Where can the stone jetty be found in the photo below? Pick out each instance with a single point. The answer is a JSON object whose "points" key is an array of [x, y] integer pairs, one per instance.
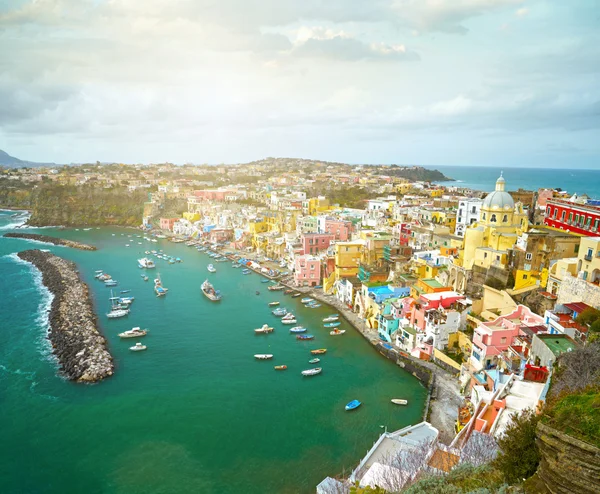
{"points": [[76, 342], [51, 240]]}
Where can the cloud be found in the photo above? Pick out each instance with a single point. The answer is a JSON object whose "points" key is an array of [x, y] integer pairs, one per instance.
{"points": [[350, 49], [522, 12]]}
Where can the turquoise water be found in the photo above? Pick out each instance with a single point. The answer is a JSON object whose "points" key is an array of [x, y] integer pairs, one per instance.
{"points": [[195, 412], [484, 178]]}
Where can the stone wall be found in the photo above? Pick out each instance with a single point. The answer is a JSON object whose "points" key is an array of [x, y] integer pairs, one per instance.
{"points": [[577, 290], [568, 465]]}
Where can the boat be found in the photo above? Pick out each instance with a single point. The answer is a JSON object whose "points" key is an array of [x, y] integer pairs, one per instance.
{"points": [[312, 372], [160, 290], [264, 280], [133, 333], [246, 271], [280, 367], [332, 324], [146, 263], [353, 405], [337, 332], [287, 292], [110, 283], [296, 295], [264, 330], [398, 401], [319, 351], [125, 291], [273, 304], [306, 300], [305, 337], [274, 288], [280, 311], [116, 310], [211, 268], [145, 278], [314, 360], [298, 329], [331, 318], [291, 320], [289, 315], [257, 292], [126, 300], [313, 306], [138, 347], [209, 291], [263, 356]]}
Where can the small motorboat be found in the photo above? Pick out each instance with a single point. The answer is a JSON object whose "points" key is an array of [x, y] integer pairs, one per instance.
{"points": [[117, 312], [275, 288], [289, 321], [264, 280], [138, 347], [296, 295], [110, 283], [145, 278], [264, 330], [273, 304], [287, 292], [246, 271], [332, 324], [280, 311], [337, 332], [313, 306], [312, 372], [319, 351], [298, 329], [398, 401], [125, 291], [353, 405], [257, 292], [332, 318], [289, 315], [263, 356], [306, 300], [133, 333], [280, 367], [211, 268], [305, 337], [314, 360]]}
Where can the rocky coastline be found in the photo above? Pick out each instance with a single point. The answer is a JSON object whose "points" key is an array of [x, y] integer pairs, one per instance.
{"points": [[51, 240], [78, 345]]}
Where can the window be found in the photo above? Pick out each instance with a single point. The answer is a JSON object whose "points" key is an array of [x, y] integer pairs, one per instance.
{"points": [[503, 340], [562, 218], [555, 213], [524, 276], [528, 256], [576, 218], [484, 216], [570, 217], [484, 255], [596, 224], [497, 258], [505, 219], [581, 220], [493, 218]]}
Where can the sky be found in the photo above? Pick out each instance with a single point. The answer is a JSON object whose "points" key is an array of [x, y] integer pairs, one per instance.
{"points": [[426, 82]]}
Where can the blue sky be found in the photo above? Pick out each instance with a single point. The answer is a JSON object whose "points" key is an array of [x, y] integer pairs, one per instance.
{"points": [[432, 82]]}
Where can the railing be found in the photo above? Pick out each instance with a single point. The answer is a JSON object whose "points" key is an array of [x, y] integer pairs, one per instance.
{"points": [[588, 257]]}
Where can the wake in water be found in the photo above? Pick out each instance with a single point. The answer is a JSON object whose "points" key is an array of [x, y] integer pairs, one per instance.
{"points": [[21, 220]]}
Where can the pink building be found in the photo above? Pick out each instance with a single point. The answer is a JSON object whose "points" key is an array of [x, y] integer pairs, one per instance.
{"points": [[494, 337], [340, 229], [429, 302], [313, 243], [543, 196], [307, 271], [167, 223], [213, 194]]}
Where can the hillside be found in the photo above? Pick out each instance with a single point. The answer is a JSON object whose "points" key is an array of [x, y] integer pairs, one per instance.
{"points": [[12, 162]]}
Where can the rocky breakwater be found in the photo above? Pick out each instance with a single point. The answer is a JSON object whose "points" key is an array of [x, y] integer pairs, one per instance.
{"points": [[76, 342], [51, 240]]}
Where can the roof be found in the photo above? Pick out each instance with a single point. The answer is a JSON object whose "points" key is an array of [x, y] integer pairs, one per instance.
{"points": [[443, 460], [499, 199], [578, 307], [558, 343], [433, 283]]}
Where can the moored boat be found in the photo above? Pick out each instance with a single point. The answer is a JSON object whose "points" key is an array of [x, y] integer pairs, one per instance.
{"points": [[209, 291], [138, 347], [291, 320], [110, 283], [332, 324], [305, 337], [273, 304], [211, 268], [287, 292], [337, 332], [312, 372], [298, 329], [319, 351], [246, 271], [314, 360], [133, 333], [280, 311], [275, 288], [280, 367], [264, 280], [331, 318], [353, 405], [306, 300], [263, 356], [264, 330], [146, 263], [398, 401], [295, 295], [313, 305]]}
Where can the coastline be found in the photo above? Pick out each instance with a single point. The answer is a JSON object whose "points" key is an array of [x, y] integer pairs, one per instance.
{"points": [[50, 240], [76, 342]]}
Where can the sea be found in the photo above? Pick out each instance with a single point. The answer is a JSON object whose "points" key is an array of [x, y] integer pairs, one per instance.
{"points": [[484, 178], [195, 413]]}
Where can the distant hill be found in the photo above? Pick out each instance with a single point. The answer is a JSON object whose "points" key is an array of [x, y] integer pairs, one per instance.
{"points": [[12, 162]]}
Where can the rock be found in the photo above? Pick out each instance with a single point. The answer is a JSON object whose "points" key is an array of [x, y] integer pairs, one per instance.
{"points": [[51, 240]]}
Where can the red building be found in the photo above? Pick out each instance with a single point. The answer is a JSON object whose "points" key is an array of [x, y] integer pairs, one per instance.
{"points": [[576, 218], [340, 229], [313, 243], [167, 223]]}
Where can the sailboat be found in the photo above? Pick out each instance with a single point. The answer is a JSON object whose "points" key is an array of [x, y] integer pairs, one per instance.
{"points": [[160, 290], [115, 310]]}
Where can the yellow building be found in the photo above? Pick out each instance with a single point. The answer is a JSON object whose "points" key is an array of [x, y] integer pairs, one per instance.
{"points": [[588, 263], [347, 258], [257, 225], [487, 241], [191, 217], [558, 271]]}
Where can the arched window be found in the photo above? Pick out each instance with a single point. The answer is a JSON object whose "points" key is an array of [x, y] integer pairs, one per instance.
{"points": [[505, 219], [484, 216], [493, 218]]}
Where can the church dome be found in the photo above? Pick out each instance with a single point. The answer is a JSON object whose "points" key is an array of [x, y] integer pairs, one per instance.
{"points": [[499, 199]]}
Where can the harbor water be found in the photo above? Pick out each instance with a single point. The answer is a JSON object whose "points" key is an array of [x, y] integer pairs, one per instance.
{"points": [[195, 413]]}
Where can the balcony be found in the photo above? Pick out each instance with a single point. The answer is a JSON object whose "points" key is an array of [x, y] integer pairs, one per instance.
{"points": [[588, 257]]}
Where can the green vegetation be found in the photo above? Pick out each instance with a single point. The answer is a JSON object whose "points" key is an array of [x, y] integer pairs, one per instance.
{"points": [[591, 318], [519, 455], [348, 197]]}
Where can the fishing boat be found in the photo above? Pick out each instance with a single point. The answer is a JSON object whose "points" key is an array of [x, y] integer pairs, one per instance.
{"points": [[104, 277], [398, 401], [353, 405], [296, 295], [264, 330], [291, 320], [138, 347], [298, 329], [280, 367], [319, 351], [305, 337], [306, 300], [209, 291], [332, 324], [146, 263], [211, 268], [312, 372], [314, 360], [115, 310], [263, 356], [133, 333], [275, 288], [337, 332], [331, 318], [280, 311], [273, 304]]}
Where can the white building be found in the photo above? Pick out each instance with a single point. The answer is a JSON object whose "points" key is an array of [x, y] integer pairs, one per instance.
{"points": [[468, 213]]}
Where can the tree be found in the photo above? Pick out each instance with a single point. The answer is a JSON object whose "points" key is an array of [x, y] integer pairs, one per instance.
{"points": [[589, 316], [519, 455]]}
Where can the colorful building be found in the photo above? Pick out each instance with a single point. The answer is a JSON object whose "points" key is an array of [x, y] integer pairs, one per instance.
{"points": [[313, 243], [167, 223], [571, 217], [347, 259], [307, 271]]}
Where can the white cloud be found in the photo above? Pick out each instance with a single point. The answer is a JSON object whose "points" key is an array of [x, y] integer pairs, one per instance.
{"points": [[522, 12]]}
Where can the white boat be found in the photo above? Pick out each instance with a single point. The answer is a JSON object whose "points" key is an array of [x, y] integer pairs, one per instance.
{"points": [[115, 310], [312, 372], [133, 333], [263, 356], [314, 360], [146, 263], [298, 329], [211, 268], [289, 321], [331, 318], [264, 330], [209, 291], [397, 401], [337, 332], [307, 300], [138, 347]]}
